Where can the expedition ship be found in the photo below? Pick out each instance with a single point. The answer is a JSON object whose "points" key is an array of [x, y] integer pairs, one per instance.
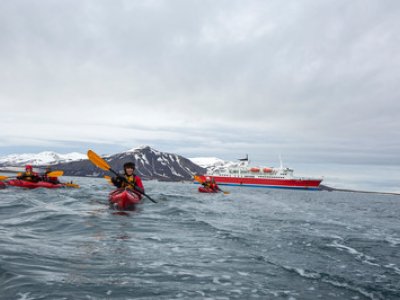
{"points": [[244, 175]]}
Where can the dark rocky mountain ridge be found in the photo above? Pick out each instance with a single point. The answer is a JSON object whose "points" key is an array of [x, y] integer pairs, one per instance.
{"points": [[150, 164]]}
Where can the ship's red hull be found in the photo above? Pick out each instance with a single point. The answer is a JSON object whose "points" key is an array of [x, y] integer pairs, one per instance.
{"points": [[291, 183]]}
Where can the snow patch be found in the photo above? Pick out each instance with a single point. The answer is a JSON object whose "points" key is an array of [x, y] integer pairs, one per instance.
{"points": [[141, 147], [38, 159]]}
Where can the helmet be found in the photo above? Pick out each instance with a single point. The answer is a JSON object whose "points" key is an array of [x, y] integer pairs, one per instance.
{"points": [[28, 167], [130, 165], [208, 178]]}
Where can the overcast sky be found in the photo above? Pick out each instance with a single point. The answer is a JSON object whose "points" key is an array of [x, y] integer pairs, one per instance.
{"points": [[314, 81]]}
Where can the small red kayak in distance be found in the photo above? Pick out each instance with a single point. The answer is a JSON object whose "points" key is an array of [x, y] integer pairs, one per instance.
{"points": [[203, 189], [33, 185], [123, 199]]}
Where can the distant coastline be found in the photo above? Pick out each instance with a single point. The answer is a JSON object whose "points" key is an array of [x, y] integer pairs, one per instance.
{"points": [[331, 189], [322, 187]]}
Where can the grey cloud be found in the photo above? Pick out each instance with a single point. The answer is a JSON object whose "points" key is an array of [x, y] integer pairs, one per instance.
{"points": [[300, 75]]}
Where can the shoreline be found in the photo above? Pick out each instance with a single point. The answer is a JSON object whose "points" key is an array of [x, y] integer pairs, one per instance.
{"points": [[322, 187], [331, 189]]}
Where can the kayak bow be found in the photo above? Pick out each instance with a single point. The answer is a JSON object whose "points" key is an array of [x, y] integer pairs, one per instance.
{"points": [[123, 199]]}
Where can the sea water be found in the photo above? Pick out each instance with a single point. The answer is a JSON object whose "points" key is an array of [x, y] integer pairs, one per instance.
{"points": [[250, 244]]}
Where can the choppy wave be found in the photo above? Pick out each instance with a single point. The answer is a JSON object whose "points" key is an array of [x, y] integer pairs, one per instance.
{"points": [[252, 243]]}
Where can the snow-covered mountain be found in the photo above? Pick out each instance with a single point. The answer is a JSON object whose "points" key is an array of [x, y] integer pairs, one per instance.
{"points": [[207, 162], [39, 159], [213, 163], [150, 164]]}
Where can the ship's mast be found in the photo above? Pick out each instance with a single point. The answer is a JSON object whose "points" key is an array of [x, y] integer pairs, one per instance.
{"points": [[244, 162]]}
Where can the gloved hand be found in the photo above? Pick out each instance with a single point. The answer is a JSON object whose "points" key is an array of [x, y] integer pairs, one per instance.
{"points": [[117, 181]]}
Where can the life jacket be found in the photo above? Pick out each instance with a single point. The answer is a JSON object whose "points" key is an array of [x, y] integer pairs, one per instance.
{"points": [[213, 186], [29, 176], [135, 181], [131, 179]]}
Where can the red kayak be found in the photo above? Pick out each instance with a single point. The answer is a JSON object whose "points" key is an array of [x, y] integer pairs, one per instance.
{"points": [[123, 199], [33, 185], [203, 189], [2, 185]]}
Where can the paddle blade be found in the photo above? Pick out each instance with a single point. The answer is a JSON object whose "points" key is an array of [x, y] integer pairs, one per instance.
{"points": [[3, 178], [72, 185], [55, 174], [198, 179], [98, 161]]}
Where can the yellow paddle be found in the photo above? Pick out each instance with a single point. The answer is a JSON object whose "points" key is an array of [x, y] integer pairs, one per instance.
{"points": [[51, 174], [102, 164], [199, 180], [55, 174], [71, 185]]}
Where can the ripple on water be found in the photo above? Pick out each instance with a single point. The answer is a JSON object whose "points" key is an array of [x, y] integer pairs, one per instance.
{"points": [[248, 244]]}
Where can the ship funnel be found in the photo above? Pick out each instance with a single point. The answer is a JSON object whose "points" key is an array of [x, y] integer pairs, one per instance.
{"points": [[244, 161]]}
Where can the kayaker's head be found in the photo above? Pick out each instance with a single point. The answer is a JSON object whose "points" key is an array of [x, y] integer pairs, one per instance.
{"points": [[129, 168], [208, 179], [28, 168]]}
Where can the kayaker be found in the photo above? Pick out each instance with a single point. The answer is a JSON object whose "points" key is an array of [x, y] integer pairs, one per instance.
{"points": [[211, 184], [131, 177], [29, 175], [214, 185], [53, 180]]}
